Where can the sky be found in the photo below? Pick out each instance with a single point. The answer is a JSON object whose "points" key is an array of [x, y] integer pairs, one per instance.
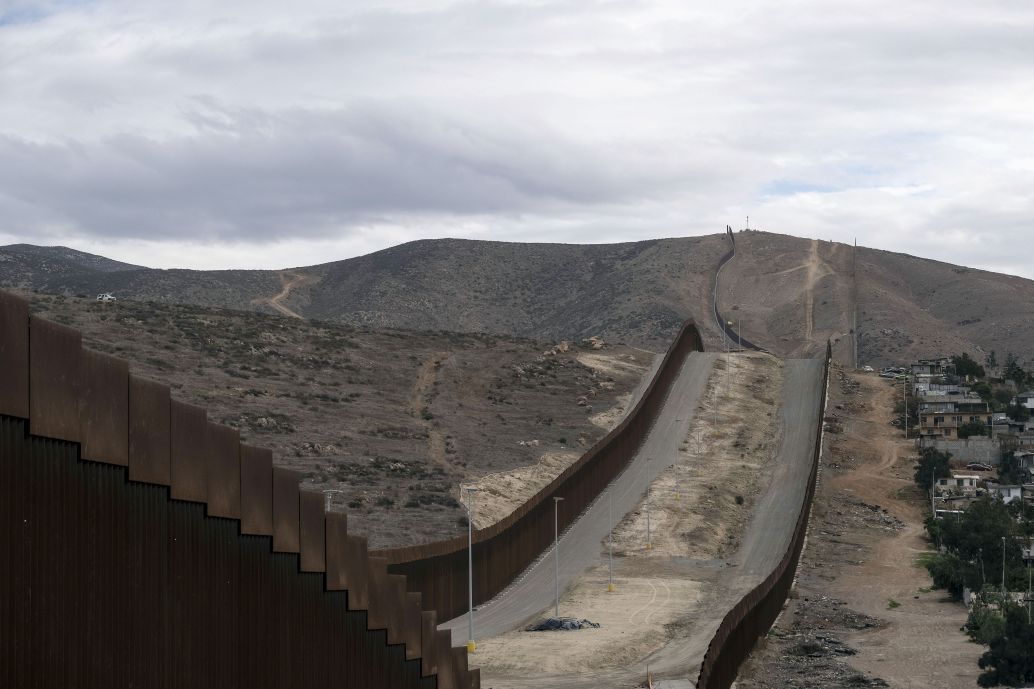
{"points": [[267, 134]]}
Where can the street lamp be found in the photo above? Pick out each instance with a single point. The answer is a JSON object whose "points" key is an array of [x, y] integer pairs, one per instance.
{"points": [[610, 542], [714, 403], [649, 542], [677, 493], [556, 550], [728, 366], [471, 645]]}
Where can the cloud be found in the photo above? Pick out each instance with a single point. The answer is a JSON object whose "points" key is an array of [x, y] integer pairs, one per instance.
{"points": [[278, 133]]}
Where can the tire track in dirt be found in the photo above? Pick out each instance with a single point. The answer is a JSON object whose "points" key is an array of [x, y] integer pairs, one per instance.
{"points": [[419, 405]]}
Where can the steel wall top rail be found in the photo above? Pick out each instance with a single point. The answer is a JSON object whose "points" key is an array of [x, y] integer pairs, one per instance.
{"points": [[104, 409], [55, 380], [71, 394], [150, 432], [14, 355]]}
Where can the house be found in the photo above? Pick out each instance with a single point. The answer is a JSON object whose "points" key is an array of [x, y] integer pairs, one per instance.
{"points": [[1025, 399], [958, 484], [933, 367], [1006, 493], [941, 417]]}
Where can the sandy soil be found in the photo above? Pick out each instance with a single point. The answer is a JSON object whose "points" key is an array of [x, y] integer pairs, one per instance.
{"points": [[658, 588], [499, 494], [612, 417], [639, 617]]}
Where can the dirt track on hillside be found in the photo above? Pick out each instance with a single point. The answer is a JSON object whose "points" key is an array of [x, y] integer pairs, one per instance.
{"points": [[290, 280]]}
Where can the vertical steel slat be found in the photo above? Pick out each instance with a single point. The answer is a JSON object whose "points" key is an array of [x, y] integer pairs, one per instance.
{"points": [[14, 355]]}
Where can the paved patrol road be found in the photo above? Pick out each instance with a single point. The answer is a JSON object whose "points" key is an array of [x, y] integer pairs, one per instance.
{"points": [[535, 590], [676, 665]]}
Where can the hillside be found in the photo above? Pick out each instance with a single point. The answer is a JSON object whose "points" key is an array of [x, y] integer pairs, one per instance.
{"points": [[788, 294], [395, 419]]}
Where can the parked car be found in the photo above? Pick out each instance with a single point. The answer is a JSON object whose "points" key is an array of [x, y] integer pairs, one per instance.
{"points": [[868, 369], [106, 296]]}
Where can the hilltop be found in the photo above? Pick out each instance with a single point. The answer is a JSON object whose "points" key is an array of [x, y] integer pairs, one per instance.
{"points": [[786, 293]]}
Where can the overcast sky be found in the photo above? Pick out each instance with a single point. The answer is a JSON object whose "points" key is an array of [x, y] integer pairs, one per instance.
{"points": [[271, 134]]}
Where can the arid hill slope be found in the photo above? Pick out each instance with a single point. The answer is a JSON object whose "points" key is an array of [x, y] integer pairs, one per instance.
{"points": [[787, 294], [395, 419]]}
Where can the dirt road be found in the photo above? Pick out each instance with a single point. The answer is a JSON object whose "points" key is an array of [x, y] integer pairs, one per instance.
{"points": [[534, 590], [289, 280], [921, 646]]}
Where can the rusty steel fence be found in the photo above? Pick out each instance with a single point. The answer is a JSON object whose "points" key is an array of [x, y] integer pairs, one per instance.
{"points": [[142, 545], [755, 614], [723, 324], [438, 571]]}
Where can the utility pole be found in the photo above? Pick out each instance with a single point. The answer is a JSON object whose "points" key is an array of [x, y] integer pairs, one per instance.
{"points": [[1003, 565], [983, 578], [556, 549], [854, 279], [904, 399], [933, 490], [610, 542], [471, 645], [1029, 558]]}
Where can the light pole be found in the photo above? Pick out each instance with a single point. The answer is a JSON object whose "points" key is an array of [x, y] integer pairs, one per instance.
{"points": [[556, 549], [677, 493], [610, 542], [714, 395], [471, 645], [649, 543], [728, 366]]}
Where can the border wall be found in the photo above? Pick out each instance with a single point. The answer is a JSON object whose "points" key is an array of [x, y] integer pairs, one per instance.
{"points": [[755, 614], [145, 546], [438, 571], [723, 324]]}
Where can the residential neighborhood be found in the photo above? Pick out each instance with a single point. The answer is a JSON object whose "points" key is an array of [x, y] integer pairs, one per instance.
{"points": [[974, 440]]}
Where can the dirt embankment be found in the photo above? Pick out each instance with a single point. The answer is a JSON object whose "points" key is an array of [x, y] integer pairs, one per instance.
{"points": [[720, 466], [660, 589], [500, 493], [863, 613]]}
